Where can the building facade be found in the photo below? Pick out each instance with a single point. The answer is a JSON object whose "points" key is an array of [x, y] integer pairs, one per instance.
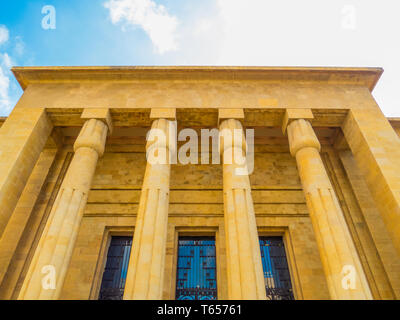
{"points": [[84, 215]]}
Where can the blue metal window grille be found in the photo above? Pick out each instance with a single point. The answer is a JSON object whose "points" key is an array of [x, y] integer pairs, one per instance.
{"points": [[196, 271], [114, 276], [276, 271]]}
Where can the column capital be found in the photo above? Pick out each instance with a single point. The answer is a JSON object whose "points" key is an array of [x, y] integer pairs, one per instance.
{"points": [[296, 114], [163, 135], [102, 114], [227, 138], [301, 135], [92, 135]]}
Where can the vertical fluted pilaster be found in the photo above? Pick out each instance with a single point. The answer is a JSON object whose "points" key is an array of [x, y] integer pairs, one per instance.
{"points": [[146, 265], [53, 253], [345, 276], [244, 267]]}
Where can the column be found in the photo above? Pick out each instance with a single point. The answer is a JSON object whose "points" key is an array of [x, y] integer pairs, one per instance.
{"points": [[376, 149], [244, 266], [345, 276], [145, 275], [46, 274], [22, 138]]}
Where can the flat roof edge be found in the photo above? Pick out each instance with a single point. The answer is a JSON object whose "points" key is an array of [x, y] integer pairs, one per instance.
{"points": [[350, 75]]}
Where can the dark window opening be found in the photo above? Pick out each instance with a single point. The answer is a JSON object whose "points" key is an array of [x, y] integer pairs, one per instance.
{"points": [[276, 271], [196, 270], [114, 276]]}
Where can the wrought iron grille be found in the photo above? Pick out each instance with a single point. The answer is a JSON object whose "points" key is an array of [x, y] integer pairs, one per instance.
{"points": [[196, 270], [276, 270], [114, 276]]}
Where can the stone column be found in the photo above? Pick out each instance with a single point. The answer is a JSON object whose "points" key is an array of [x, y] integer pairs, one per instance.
{"points": [[145, 275], [22, 138], [244, 266], [345, 276], [54, 251]]}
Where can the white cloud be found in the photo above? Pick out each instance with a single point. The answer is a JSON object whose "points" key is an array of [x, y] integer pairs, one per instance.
{"points": [[8, 89], [4, 35], [297, 33], [153, 18], [5, 102], [6, 60], [5, 65]]}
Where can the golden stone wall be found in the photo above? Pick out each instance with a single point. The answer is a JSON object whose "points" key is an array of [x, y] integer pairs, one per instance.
{"points": [[196, 203]]}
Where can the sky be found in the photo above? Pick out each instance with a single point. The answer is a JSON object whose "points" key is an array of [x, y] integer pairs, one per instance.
{"points": [[344, 33]]}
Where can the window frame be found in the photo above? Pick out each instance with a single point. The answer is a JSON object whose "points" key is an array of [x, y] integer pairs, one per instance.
{"points": [[289, 252], [109, 232], [196, 232]]}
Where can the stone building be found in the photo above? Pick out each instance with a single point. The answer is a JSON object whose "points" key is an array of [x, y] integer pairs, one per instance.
{"points": [[83, 215]]}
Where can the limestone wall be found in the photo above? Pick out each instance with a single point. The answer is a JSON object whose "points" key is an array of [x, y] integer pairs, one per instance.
{"points": [[196, 207]]}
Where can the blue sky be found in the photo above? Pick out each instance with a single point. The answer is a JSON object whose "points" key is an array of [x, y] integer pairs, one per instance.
{"points": [[207, 32]]}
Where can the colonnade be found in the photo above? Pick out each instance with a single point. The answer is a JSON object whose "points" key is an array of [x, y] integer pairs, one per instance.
{"points": [[244, 268]]}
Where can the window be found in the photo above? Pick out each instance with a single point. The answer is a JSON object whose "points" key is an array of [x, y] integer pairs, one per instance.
{"points": [[196, 270], [114, 276], [276, 271]]}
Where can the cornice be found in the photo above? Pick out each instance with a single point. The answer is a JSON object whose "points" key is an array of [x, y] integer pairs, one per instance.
{"points": [[367, 77]]}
